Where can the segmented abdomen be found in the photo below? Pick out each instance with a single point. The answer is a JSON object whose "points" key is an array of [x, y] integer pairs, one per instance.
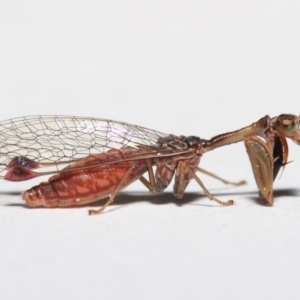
{"points": [[87, 185]]}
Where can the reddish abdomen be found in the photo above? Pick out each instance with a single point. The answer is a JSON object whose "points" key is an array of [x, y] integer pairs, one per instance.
{"points": [[87, 185]]}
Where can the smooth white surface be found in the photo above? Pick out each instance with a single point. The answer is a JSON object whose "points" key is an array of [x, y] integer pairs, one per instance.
{"points": [[183, 67]]}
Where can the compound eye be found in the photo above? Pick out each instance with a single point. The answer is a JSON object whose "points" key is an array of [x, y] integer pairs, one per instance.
{"points": [[286, 125]]}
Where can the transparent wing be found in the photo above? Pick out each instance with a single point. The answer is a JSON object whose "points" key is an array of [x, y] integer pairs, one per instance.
{"points": [[61, 140]]}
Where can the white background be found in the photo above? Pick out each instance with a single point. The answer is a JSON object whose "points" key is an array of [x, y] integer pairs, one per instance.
{"points": [[182, 67]]}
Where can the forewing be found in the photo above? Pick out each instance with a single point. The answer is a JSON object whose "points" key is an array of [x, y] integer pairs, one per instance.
{"points": [[57, 141]]}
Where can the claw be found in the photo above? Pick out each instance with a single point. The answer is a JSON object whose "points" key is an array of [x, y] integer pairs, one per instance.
{"points": [[262, 165]]}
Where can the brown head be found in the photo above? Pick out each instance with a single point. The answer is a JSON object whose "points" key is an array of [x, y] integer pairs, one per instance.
{"points": [[287, 125]]}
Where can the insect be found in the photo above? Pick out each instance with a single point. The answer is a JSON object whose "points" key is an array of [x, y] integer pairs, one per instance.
{"points": [[94, 158]]}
